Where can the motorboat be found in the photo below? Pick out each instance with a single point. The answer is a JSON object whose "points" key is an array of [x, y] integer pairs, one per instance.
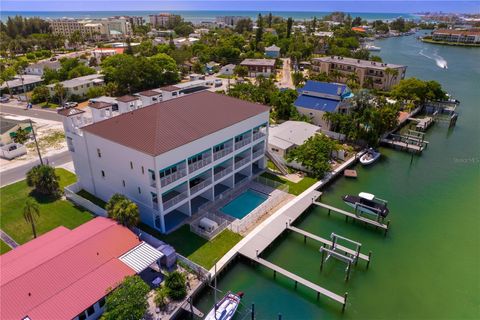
{"points": [[367, 203], [370, 157], [225, 309], [371, 47]]}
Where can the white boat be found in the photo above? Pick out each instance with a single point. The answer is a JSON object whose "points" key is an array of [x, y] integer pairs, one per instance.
{"points": [[371, 47], [370, 157], [225, 309], [367, 203]]}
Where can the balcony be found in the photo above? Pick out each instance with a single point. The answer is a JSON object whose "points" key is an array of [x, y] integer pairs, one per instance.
{"points": [[155, 205], [243, 142], [201, 185], [165, 181], [257, 153], [199, 164], [241, 162], [222, 153], [258, 135], [222, 172], [174, 200]]}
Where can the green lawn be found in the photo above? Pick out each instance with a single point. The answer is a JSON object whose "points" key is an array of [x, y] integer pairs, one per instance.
{"points": [[87, 195], [293, 188], [4, 248], [196, 248], [48, 105], [53, 213]]}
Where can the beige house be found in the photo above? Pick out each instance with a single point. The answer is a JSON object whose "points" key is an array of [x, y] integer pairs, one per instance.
{"points": [[256, 67], [378, 75], [9, 127], [78, 86], [289, 135]]}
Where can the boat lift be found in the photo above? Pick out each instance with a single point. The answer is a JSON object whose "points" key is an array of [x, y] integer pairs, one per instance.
{"points": [[377, 214], [339, 253]]}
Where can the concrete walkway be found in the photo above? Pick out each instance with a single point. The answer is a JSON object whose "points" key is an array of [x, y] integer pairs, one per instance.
{"points": [[8, 240]]}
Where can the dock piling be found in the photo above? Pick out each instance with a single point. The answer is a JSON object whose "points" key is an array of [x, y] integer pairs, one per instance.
{"points": [[345, 296], [369, 258], [253, 311]]}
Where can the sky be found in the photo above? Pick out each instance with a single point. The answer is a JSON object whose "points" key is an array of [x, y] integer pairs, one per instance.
{"points": [[468, 6]]}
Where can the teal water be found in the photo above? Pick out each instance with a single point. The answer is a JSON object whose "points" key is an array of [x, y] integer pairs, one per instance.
{"points": [[428, 266], [243, 204]]}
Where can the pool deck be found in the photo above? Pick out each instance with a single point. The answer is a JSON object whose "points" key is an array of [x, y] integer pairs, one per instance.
{"points": [[265, 233]]}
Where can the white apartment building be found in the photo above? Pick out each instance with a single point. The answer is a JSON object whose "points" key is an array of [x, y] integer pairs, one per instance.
{"points": [[169, 157], [107, 28]]}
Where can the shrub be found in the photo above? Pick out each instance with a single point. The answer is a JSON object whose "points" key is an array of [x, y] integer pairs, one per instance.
{"points": [[175, 284], [161, 295], [44, 180], [123, 210]]}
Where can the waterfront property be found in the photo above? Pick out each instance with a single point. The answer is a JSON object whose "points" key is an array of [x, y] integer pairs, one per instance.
{"points": [[170, 157], [66, 274], [316, 98], [289, 135], [471, 36], [244, 204], [78, 86], [106, 28], [373, 74], [257, 67]]}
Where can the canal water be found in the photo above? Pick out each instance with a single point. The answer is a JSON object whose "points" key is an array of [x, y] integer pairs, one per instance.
{"points": [[428, 266]]}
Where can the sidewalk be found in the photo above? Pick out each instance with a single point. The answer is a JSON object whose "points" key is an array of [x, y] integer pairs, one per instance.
{"points": [[8, 240]]}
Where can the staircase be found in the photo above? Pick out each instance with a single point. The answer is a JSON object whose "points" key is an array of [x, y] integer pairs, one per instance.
{"points": [[277, 162]]}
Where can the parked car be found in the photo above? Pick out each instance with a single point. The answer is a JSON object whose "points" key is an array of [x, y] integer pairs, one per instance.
{"points": [[70, 105], [4, 99], [218, 82], [53, 59]]}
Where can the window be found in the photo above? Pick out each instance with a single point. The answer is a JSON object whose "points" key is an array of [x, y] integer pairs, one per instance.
{"points": [[143, 170], [70, 144], [238, 138], [219, 148], [101, 303], [103, 174], [82, 316], [90, 311], [123, 182], [196, 158], [131, 165], [99, 153], [139, 190]]}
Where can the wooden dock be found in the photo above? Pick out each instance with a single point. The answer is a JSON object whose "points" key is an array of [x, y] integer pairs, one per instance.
{"points": [[329, 243], [297, 279], [422, 123], [354, 216]]}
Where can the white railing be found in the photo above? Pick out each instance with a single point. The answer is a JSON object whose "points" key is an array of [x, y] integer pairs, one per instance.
{"points": [[155, 205], [242, 162], [199, 164], [165, 181], [223, 173], [153, 183], [257, 153], [70, 194], [242, 143], [178, 198], [200, 186], [222, 153], [258, 135]]}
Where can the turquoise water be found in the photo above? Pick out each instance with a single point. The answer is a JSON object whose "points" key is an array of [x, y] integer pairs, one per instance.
{"points": [[244, 204], [428, 265]]}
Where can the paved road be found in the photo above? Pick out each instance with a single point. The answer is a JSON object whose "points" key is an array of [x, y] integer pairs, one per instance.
{"points": [[34, 113], [286, 81], [8, 240], [18, 173]]}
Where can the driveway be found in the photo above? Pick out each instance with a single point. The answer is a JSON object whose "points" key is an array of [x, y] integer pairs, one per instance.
{"points": [[286, 81]]}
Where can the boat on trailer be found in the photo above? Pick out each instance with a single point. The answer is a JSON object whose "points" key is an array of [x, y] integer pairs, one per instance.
{"points": [[367, 203], [370, 157], [225, 309]]}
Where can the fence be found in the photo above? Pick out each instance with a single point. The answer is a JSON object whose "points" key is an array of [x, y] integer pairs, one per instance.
{"points": [[209, 235], [200, 271], [71, 194]]}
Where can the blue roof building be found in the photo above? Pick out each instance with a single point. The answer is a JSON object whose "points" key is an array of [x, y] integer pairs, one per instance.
{"points": [[316, 98], [272, 52]]}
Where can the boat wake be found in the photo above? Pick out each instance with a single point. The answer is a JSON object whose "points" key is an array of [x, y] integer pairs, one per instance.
{"points": [[439, 60]]}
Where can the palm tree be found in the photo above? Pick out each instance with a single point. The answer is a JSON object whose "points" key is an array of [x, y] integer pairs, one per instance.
{"points": [[391, 74], [335, 74], [30, 212], [352, 79]]}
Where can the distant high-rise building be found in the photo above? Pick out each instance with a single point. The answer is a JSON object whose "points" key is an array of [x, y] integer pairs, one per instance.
{"points": [[107, 28], [229, 20], [162, 20]]}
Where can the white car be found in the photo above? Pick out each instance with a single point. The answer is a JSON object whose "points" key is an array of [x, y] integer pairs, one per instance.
{"points": [[218, 82], [4, 99]]}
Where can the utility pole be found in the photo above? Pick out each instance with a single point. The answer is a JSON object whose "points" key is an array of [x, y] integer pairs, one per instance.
{"points": [[36, 142]]}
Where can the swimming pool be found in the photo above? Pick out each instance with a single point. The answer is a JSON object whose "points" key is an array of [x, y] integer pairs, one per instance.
{"points": [[244, 204]]}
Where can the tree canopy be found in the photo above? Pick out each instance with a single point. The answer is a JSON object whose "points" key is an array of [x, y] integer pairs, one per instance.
{"points": [[44, 180], [418, 91], [128, 301], [123, 210]]}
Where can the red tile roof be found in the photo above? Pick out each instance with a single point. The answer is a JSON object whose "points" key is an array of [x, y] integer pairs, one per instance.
{"points": [[63, 272], [167, 125], [99, 105], [127, 98], [149, 93], [68, 112], [170, 88]]}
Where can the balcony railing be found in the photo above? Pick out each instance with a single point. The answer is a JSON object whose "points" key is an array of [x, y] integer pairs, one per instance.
{"points": [[165, 181], [153, 183], [258, 135], [223, 173], [178, 198], [199, 164], [155, 205], [242, 162], [222, 153], [242, 143], [257, 153], [200, 185]]}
